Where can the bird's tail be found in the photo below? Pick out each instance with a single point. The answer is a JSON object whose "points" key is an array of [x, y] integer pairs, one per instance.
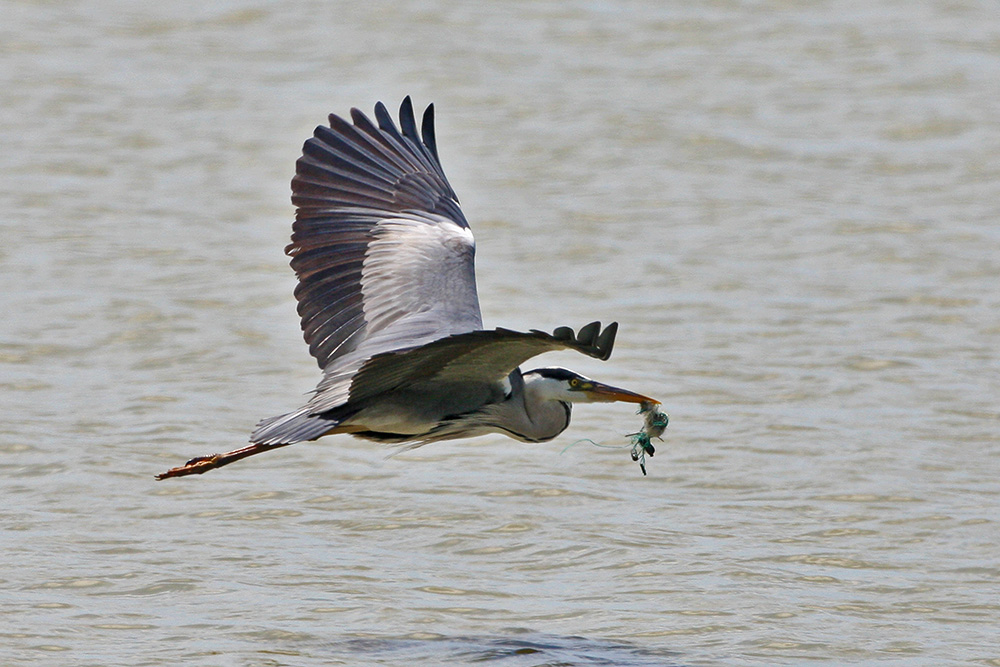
{"points": [[292, 427]]}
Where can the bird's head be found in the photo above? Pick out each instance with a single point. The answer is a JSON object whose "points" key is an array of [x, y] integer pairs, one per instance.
{"points": [[561, 384]]}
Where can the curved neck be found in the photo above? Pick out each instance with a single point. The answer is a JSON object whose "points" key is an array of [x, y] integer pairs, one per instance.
{"points": [[550, 418], [533, 415]]}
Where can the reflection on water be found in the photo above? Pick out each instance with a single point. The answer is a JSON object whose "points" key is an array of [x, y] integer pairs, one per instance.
{"points": [[520, 648], [792, 214]]}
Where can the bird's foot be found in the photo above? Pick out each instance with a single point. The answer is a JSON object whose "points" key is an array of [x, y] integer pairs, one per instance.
{"points": [[195, 466], [200, 464]]}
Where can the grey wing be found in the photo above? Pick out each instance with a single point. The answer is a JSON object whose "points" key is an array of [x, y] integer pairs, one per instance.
{"points": [[473, 362], [383, 253], [475, 357]]}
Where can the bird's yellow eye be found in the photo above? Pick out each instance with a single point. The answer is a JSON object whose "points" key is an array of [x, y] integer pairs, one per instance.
{"points": [[574, 382]]}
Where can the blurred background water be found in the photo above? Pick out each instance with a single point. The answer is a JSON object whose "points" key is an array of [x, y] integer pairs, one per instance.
{"points": [[790, 207]]}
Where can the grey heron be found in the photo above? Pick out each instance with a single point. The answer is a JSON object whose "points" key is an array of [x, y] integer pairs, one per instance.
{"points": [[388, 304]]}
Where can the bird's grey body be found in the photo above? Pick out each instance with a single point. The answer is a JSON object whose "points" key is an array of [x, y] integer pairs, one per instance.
{"points": [[387, 298]]}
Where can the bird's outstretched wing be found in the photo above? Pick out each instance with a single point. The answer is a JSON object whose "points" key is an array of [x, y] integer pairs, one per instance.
{"points": [[474, 356], [383, 253]]}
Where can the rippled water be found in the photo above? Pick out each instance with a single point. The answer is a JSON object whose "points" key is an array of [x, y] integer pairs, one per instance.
{"points": [[792, 210]]}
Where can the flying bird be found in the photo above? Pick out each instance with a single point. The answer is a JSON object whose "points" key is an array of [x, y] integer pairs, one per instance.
{"points": [[388, 304]]}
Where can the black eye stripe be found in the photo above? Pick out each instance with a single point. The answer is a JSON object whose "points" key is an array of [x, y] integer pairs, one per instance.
{"points": [[556, 374]]}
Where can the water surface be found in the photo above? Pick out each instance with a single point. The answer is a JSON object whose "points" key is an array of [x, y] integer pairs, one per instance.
{"points": [[792, 212]]}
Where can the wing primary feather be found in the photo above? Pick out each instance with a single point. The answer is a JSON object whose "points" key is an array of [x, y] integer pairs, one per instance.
{"points": [[369, 132], [427, 133], [408, 124], [385, 121], [407, 121], [389, 131], [322, 175], [359, 139], [392, 135], [562, 333], [588, 334], [606, 341], [342, 136]]}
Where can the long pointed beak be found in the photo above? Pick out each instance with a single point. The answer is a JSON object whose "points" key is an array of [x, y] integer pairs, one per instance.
{"points": [[604, 392]]}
